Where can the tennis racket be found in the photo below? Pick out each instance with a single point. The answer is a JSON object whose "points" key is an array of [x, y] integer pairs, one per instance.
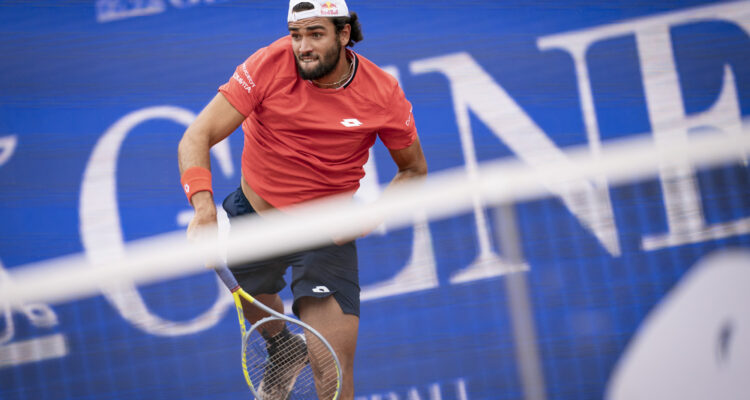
{"points": [[297, 364]]}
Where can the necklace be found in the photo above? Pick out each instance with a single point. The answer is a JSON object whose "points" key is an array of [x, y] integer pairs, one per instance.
{"points": [[336, 84]]}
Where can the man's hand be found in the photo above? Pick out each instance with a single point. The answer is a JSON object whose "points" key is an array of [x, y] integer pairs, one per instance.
{"points": [[411, 166], [203, 223], [203, 226], [341, 240]]}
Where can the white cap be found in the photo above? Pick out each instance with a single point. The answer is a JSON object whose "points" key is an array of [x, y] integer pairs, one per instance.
{"points": [[322, 8]]}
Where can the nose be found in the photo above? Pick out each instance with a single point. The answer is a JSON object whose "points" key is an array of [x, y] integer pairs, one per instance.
{"points": [[305, 45]]}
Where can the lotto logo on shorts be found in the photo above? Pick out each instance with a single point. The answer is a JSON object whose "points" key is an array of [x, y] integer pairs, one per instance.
{"points": [[321, 289]]}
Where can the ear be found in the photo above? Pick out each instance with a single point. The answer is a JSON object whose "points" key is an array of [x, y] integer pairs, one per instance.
{"points": [[345, 34]]}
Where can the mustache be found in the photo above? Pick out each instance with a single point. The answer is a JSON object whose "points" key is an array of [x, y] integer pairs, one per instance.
{"points": [[308, 54]]}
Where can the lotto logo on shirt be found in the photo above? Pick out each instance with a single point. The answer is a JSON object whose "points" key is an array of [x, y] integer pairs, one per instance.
{"points": [[329, 9], [350, 122]]}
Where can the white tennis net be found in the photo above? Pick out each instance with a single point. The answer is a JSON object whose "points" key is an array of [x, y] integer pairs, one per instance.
{"points": [[443, 194]]}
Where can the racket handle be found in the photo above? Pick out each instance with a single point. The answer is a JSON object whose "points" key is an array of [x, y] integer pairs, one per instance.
{"points": [[226, 276]]}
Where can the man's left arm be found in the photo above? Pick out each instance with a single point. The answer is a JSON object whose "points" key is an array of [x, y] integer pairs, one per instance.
{"points": [[411, 163]]}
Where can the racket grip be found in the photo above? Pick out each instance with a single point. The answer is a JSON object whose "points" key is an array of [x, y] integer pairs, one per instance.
{"points": [[226, 276]]}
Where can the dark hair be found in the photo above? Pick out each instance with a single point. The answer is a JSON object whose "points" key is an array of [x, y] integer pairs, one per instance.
{"points": [[339, 22], [356, 34]]}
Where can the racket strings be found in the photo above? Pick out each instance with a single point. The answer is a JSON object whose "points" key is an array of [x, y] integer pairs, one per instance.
{"points": [[286, 367]]}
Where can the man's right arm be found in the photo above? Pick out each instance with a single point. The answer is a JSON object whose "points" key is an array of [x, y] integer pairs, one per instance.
{"points": [[214, 123]]}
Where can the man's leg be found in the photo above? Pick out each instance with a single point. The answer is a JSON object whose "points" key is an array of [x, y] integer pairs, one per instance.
{"points": [[325, 315], [286, 352], [253, 314]]}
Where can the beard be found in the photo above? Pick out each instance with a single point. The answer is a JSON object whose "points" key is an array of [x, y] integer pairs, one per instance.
{"points": [[326, 64]]}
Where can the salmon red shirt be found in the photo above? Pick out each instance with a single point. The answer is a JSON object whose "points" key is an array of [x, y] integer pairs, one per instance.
{"points": [[303, 142]]}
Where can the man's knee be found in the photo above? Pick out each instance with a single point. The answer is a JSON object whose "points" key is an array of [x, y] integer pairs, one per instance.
{"points": [[319, 308], [326, 316]]}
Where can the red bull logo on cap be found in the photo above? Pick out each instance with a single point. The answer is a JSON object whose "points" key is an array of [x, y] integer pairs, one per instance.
{"points": [[329, 8]]}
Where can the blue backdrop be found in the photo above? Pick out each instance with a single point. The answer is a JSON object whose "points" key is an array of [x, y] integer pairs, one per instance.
{"points": [[488, 79]]}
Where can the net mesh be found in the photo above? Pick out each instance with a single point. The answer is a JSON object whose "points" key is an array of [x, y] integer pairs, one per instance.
{"points": [[295, 364]]}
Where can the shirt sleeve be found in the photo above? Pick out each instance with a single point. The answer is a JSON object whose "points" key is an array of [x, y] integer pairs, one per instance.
{"points": [[398, 130], [244, 89]]}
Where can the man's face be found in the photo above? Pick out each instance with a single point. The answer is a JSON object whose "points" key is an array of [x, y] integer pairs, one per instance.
{"points": [[316, 46]]}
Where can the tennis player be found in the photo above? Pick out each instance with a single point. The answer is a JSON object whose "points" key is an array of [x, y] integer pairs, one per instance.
{"points": [[310, 109]]}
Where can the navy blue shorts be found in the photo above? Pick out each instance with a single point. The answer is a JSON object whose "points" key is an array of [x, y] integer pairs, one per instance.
{"points": [[319, 272]]}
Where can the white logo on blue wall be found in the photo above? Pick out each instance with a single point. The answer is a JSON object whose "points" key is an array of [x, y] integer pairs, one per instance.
{"points": [[101, 231], [7, 147]]}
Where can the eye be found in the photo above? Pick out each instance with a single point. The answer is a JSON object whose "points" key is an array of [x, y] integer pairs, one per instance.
{"points": [[317, 35], [295, 36]]}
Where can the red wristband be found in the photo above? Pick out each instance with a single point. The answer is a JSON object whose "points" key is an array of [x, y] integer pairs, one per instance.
{"points": [[196, 179]]}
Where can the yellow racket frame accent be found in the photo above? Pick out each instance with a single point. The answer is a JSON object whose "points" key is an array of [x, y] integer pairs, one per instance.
{"points": [[240, 314]]}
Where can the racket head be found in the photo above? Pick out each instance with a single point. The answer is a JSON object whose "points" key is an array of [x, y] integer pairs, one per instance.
{"points": [[302, 363]]}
